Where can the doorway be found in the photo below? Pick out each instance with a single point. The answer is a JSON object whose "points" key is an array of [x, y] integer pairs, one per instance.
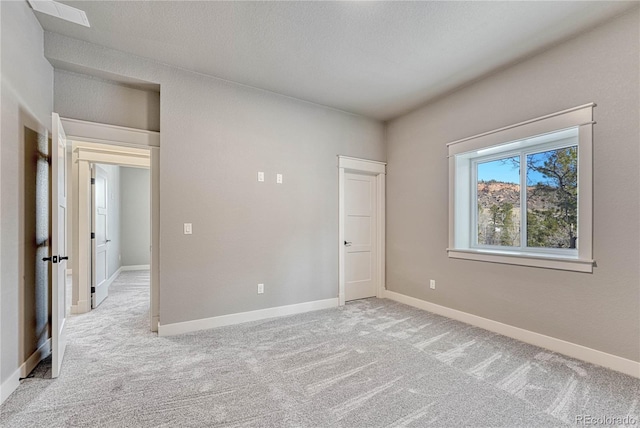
{"points": [[99, 144], [361, 228], [120, 225]]}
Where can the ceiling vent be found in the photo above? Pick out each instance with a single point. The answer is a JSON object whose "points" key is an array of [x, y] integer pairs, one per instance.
{"points": [[61, 11]]}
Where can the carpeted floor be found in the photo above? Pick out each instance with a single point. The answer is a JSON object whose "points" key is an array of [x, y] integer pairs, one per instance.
{"points": [[372, 363]]}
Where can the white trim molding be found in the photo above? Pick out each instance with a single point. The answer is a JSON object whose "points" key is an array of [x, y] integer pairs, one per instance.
{"points": [[573, 350], [8, 386], [379, 170], [531, 260], [575, 116], [572, 126], [135, 267], [110, 134], [242, 317], [114, 155], [83, 306], [40, 354], [362, 165]]}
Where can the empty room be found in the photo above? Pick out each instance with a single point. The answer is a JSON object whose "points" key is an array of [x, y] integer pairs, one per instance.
{"points": [[319, 214]]}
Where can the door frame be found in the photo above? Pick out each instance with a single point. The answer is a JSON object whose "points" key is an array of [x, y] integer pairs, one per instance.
{"points": [[116, 145], [379, 171]]}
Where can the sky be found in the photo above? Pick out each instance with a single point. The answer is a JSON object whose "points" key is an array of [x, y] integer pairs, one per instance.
{"points": [[507, 170]]}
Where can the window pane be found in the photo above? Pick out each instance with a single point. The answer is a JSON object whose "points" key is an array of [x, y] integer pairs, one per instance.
{"points": [[499, 202], [552, 198]]}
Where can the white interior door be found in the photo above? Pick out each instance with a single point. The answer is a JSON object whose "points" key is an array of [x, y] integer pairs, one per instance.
{"points": [[100, 272], [58, 243], [360, 236]]}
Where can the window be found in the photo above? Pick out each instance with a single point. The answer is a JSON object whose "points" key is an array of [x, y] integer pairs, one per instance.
{"points": [[522, 194]]}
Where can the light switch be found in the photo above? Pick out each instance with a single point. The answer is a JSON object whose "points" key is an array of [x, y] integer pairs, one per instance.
{"points": [[187, 229], [279, 178], [260, 176]]}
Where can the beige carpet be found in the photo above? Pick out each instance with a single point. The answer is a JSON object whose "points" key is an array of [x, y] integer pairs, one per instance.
{"points": [[373, 363]]}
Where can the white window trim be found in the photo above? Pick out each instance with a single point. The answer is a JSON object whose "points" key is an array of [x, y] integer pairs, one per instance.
{"points": [[520, 152], [580, 117]]}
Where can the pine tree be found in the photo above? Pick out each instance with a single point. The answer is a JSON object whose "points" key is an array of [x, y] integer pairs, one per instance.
{"points": [[556, 224]]}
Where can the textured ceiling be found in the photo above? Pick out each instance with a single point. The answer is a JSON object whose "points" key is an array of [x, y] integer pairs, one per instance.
{"points": [[377, 59]]}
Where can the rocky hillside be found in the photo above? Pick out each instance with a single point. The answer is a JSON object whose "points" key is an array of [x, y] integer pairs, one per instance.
{"points": [[497, 193], [499, 223]]}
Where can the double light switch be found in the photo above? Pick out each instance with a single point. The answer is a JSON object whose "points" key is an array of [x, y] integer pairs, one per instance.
{"points": [[261, 177]]}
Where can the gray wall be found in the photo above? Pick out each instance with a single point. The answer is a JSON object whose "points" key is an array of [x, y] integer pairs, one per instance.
{"points": [[135, 218], [105, 101], [599, 310], [26, 103], [215, 136]]}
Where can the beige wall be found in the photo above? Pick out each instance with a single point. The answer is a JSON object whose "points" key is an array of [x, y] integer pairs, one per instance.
{"points": [[599, 310], [215, 137], [27, 101]]}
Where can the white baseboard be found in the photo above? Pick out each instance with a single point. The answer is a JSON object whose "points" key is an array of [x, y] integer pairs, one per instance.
{"points": [[136, 267], [40, 354], [593, 356], [223, 320], [155, 322], [8, 386], [103, 291], [82, 307]]}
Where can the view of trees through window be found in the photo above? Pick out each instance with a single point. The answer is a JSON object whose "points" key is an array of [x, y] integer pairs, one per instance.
{"points": [[499, 202], [551, 197]]}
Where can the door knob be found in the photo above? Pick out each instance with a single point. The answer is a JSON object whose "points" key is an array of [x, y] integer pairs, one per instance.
{"points": [[347, 243], [61, 258], [108, 240]]}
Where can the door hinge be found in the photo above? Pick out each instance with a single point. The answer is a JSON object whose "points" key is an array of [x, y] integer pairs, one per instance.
{"points": [[93, 290], [93, 235], [93, 181]]}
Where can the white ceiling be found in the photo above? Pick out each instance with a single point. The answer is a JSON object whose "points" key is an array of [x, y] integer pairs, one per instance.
{"points": [[377, 59]]}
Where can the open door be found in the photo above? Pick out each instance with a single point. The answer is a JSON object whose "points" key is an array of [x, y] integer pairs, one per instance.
{"points": [[58, 244], [99, 235]]}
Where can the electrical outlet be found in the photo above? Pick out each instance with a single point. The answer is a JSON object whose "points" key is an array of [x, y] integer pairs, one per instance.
{"points": [[278, 178], [432, 284], [260, 176], [260, 288], [188, 229]]}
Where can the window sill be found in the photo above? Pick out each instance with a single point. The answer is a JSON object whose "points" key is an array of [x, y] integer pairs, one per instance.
{"points": [[531, 260]]}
